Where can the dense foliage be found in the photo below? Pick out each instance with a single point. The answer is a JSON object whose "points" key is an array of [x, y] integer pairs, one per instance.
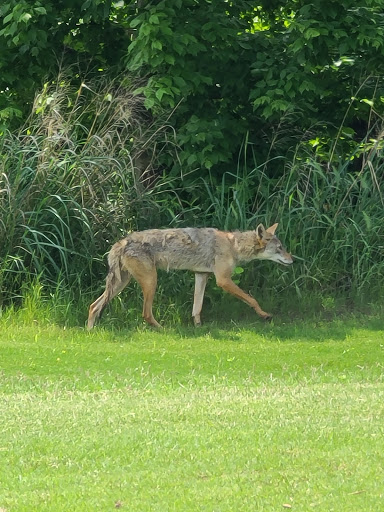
{"points": [[128, 114], [68, 192]]}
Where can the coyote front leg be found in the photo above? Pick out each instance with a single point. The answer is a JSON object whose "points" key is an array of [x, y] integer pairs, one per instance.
{"points": [[223, 279], [200, 282]]}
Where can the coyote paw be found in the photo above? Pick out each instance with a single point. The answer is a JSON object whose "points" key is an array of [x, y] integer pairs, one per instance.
{"points": [[267, 317]]}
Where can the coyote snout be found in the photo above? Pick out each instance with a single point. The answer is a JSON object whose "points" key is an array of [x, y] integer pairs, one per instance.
{"points": [[204, 251]]}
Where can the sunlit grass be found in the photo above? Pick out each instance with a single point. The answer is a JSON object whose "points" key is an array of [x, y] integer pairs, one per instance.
{"points": [[257, 417]]}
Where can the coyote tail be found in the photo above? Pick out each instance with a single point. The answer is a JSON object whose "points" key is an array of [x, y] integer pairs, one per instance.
{"points": [[115, 266], [117, 279]]}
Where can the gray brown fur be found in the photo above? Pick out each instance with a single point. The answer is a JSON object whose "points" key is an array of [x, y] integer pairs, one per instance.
{"points": [[204, 251]]}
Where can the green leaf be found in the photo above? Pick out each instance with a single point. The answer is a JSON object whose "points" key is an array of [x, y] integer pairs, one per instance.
{"points": [[139, 90], [149, 103], [245, 46], [8, 18], [12, 29], [297, 45], [262, 100], [85, 5], [154, 19], [192, 159], [280, 105], [135, 22], [169, 59], [179, 81], [166, 30], [156, 45], [145, 30], [310, 33], [160, 93], [25, 17], [4, 9], [40, 10]]}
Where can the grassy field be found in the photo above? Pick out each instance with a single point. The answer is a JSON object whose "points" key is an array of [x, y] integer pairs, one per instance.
{"points": [[242, 418]]}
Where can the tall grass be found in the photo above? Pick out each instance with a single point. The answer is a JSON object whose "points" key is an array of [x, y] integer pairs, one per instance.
{"points": [[330, 216], [88, 167], [74, 180]]}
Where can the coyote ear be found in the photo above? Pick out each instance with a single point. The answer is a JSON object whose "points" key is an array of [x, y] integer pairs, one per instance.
{"points": [[260, 231], [272, 229]]}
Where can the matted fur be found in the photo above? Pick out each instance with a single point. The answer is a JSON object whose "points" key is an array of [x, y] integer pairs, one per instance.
{"points": [[204, 251]]}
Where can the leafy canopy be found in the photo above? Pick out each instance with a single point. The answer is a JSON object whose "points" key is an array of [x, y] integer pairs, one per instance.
{"points": [[232, 69]]}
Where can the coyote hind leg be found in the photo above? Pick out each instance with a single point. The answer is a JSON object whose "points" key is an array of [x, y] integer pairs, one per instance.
{"points": [[112, 288], [144, 271]]}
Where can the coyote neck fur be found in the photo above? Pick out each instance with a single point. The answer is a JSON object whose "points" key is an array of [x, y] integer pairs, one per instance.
{"points": [[247, 245]]}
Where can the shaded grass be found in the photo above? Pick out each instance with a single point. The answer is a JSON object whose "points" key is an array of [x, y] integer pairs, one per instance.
{"points": [[219, 419]]}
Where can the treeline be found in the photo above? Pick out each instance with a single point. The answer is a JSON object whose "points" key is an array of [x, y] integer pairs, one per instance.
{"points": [[271, 73]]}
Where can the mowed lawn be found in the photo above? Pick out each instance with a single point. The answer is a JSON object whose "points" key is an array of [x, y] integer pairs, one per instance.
{"points": [[239, 418]]}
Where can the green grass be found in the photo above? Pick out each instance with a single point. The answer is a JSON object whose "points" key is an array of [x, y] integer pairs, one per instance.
{"points": [[249, 418]]}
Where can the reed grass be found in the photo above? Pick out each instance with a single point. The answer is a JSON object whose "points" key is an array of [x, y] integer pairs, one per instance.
{"points": [[72, 181], [87, 168]]}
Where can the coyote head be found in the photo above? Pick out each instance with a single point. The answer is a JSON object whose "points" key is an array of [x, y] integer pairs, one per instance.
{"points": [[271, 247]]}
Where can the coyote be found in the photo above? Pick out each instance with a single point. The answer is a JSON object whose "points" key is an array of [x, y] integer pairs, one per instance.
{"points": [[203, 250]]}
